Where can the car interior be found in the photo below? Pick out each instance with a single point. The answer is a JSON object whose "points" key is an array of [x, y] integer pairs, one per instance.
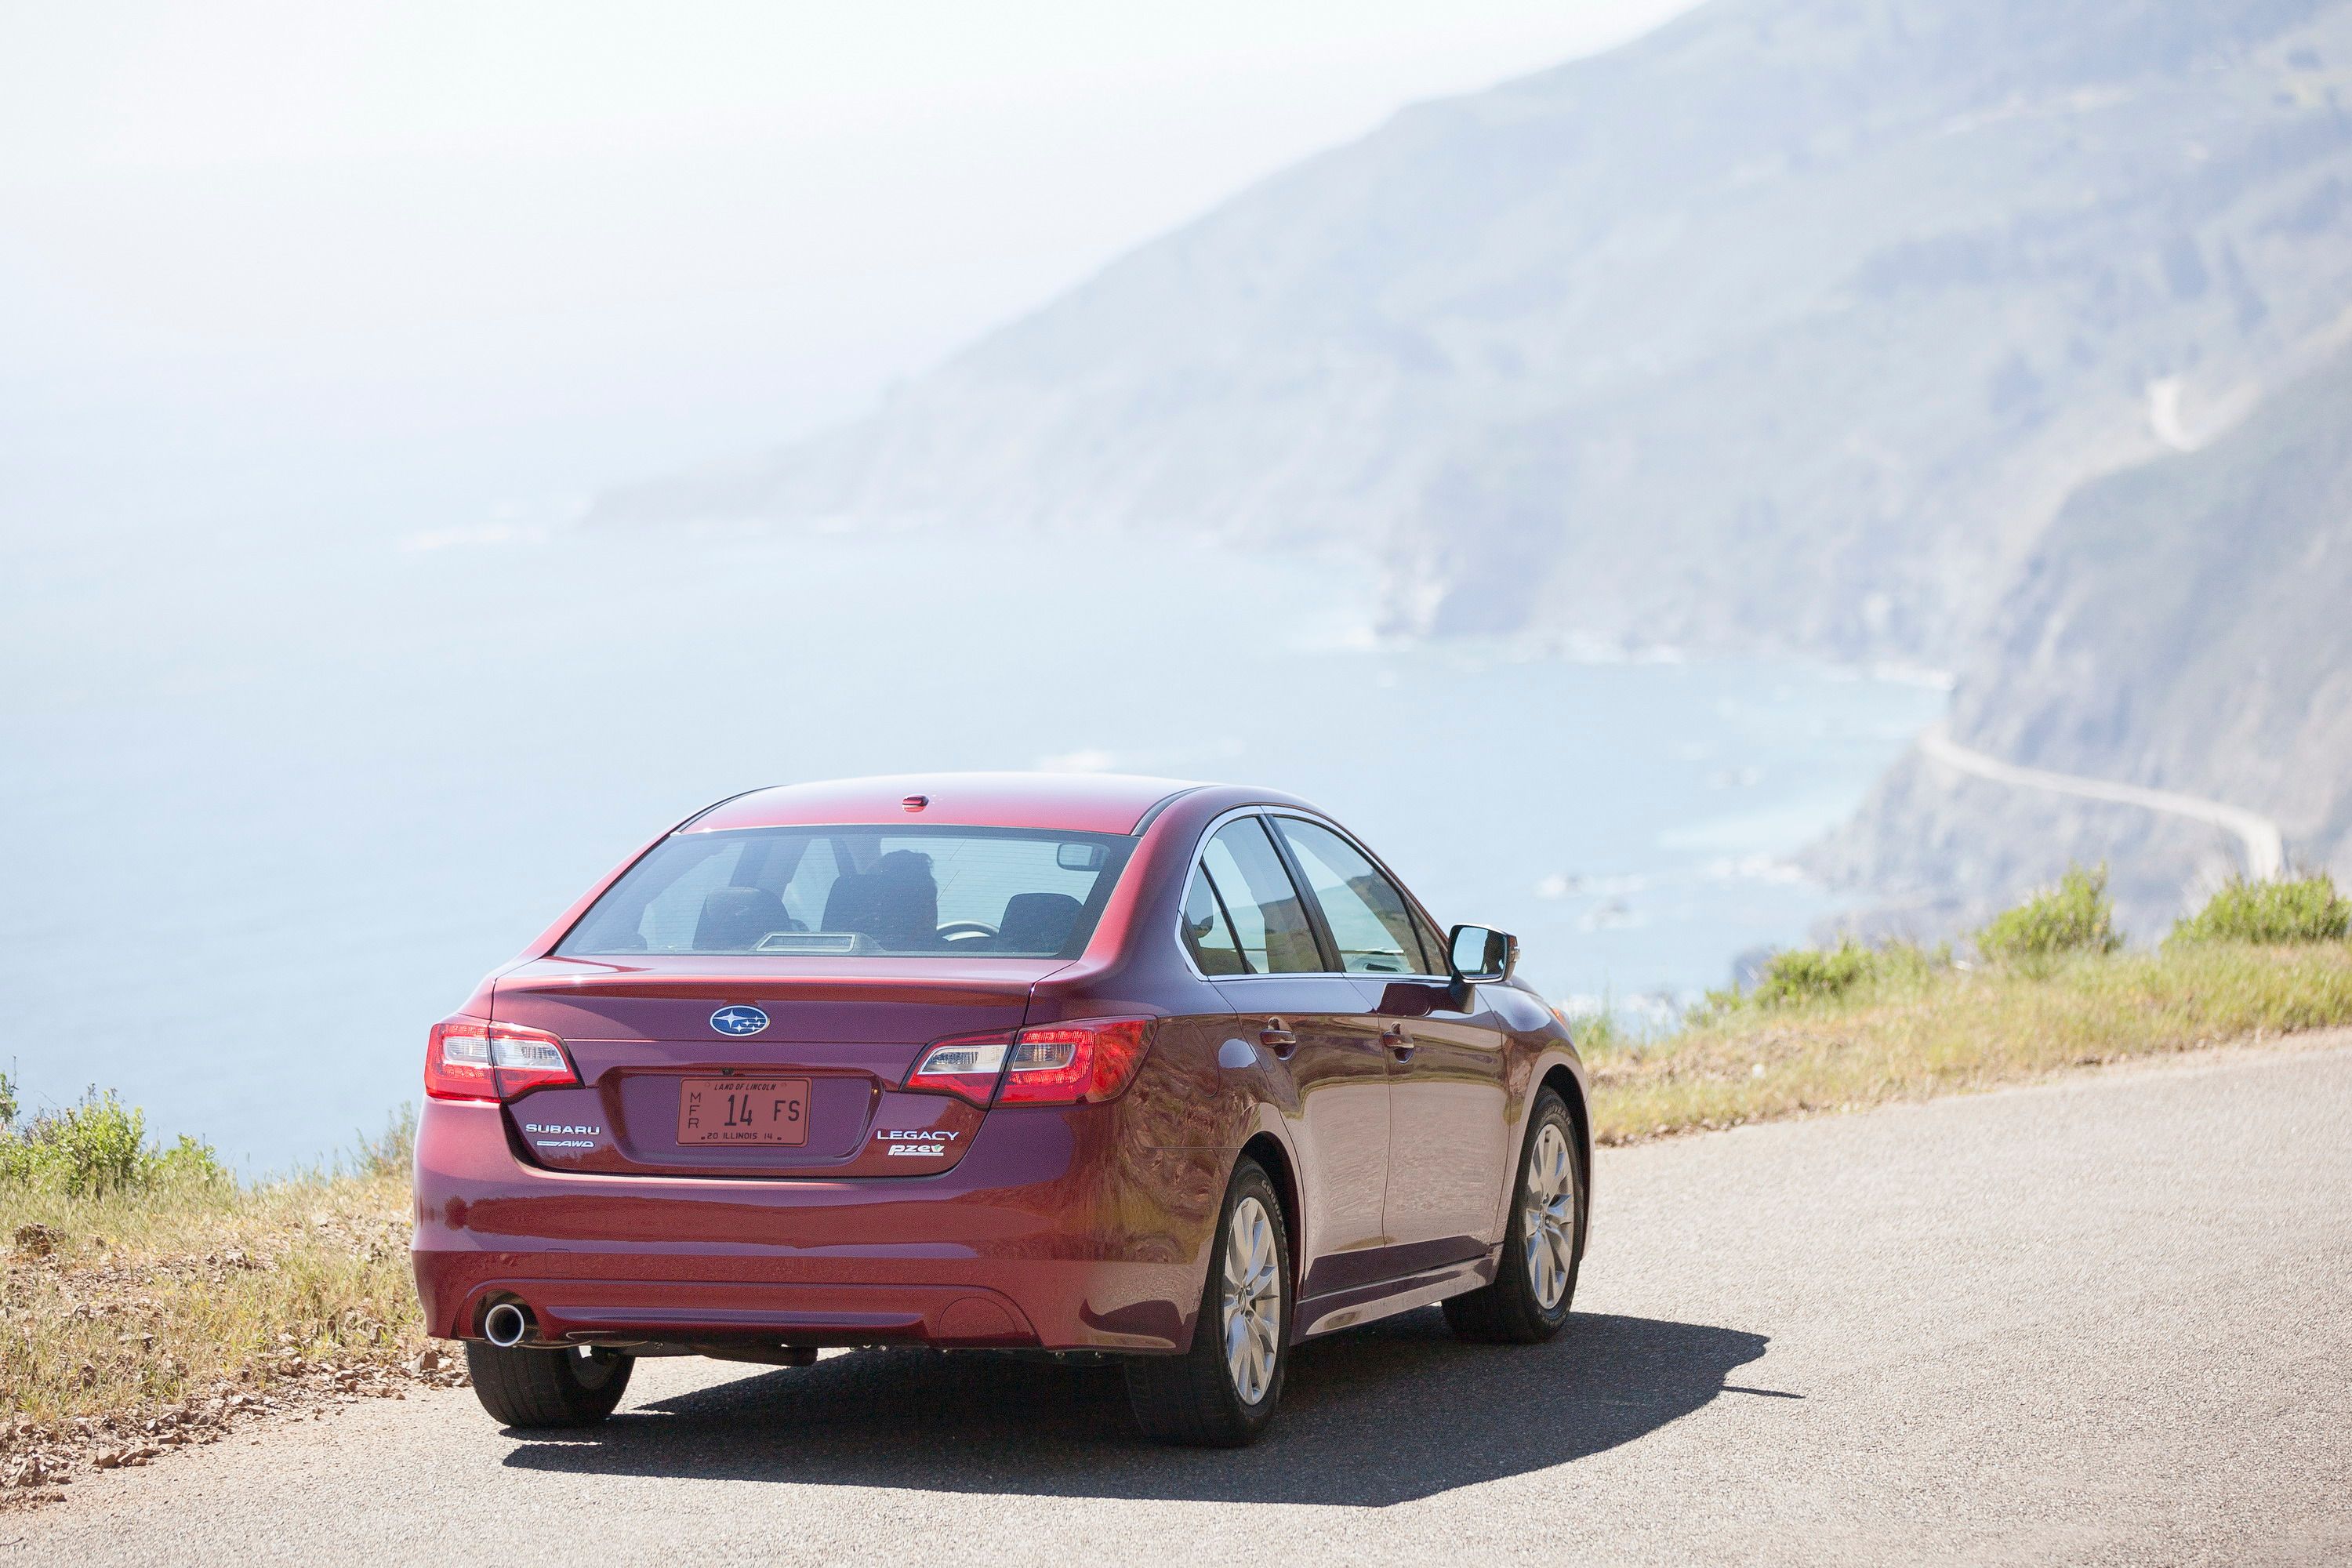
{"points": [[863, 900]]}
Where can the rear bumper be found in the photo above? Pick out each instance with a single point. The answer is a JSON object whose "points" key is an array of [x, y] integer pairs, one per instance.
{"points": [[1046, 1233]]}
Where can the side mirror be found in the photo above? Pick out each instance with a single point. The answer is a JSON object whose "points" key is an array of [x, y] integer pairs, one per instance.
{"points": [[1476, 954]]}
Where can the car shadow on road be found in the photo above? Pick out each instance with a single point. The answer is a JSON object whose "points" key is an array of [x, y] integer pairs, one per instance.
{"points": [[1388, 1413]]}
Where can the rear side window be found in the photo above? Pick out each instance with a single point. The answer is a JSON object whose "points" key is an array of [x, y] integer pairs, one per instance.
{"points": [[1269, 920], [858, 892], [1208, 935], [1370, 922]]}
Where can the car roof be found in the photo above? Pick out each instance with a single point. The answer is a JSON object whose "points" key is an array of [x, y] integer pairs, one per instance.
{"points": [[1072, 803]]}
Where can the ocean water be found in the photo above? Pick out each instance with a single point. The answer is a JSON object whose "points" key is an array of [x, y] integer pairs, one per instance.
{"points": [[277, 799]]}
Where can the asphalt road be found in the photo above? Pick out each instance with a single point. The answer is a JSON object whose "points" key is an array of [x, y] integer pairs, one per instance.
{"points": [[2109, 1319]]}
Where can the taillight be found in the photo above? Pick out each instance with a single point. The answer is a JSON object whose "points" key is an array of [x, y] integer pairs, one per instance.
{"points": [[467, 1058], [966, 1066], [1062, 1064]]}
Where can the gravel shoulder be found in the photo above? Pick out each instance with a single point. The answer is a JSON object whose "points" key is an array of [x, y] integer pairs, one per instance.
{"points": [[2106, 1319]]}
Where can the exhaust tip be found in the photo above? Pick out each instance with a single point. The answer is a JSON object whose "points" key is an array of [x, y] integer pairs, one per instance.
{"points": [[505, 1325]]}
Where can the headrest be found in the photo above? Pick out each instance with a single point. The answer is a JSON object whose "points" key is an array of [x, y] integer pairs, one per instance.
{"points": [[1037, 922], [896, 905], [736, 918], [903, 866]]}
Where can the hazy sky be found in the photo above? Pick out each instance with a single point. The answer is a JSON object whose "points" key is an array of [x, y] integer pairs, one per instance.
{"points": [[538, 246]]}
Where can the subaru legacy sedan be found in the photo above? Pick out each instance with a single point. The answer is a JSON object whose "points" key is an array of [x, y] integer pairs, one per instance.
{"points": [[1178, 1073]]}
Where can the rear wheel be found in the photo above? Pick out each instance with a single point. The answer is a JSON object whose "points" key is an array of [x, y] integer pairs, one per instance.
{"points": [[532, 1388], [1527, 1302], [1222, 1393]]}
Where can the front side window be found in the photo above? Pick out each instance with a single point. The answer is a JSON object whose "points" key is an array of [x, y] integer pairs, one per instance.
{"points": [[852, 892], [1269, 921], [1370, 922], [1433, 946]]}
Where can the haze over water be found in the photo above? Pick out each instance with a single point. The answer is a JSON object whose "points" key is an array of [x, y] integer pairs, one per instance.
{"points": [[303, 728], [280, 797]]}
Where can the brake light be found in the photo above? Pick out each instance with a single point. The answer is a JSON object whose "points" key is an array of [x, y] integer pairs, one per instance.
{"points": [[966, 1066], [1063, 1064], [468, 1058]]}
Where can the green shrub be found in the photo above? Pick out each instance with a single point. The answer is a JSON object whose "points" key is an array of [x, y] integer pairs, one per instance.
{"points": [[189, 1161], [1808, 975], [98, 1146], [2307, 908], [2076, 916]]}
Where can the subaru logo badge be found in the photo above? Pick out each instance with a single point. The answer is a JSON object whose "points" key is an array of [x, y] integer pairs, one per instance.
{"points": [[738, 1020]]}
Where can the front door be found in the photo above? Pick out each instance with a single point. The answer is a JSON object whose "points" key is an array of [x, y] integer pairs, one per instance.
{"points": [[1447, 1100], [1447, 1128]]}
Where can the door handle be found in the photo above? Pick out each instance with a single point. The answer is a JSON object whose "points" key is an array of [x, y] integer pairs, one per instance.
{"points": [[1277, 1037], [1400, 1044]]}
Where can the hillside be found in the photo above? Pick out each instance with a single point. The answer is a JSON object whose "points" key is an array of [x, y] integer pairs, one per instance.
{"points": [[1789, 325], [1924, 329], [2181, 625]]}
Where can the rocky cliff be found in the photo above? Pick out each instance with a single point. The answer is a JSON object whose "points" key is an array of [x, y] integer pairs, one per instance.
{"points": [[1793, 325], [2182, 624]]}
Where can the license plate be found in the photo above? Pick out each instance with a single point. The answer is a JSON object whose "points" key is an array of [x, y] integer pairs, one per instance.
{"points": [[761, 1110]]}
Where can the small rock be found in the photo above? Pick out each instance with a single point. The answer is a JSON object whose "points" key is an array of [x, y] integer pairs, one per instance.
{"points": [[36, 1470]]}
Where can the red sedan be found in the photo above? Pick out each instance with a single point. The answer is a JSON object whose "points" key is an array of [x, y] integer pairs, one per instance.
{"points": [[1179, 1073]]}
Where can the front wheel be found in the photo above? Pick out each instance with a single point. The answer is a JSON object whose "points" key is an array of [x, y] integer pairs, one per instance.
{"points": [[535, 1388], [1527, 1302], [1222, 1393]]}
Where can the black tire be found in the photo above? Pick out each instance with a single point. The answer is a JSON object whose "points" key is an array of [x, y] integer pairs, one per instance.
{"points": [[1511, 1310], [1194, 1398], [537, 1388]]}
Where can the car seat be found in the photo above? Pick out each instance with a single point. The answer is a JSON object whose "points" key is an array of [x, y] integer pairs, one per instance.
{"points": [[1037, 922], [733, 920], [897, 903]]}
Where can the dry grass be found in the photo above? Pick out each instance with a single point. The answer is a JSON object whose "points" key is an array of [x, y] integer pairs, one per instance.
{"points": [[1920, 1028], [144, 1320]]}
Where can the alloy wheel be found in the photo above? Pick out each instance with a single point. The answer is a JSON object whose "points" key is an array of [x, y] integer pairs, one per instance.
{"points": [[1252, 1301], [1548, 1215]]}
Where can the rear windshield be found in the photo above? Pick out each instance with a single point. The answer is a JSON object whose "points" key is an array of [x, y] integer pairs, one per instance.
{"points": [[858, 892]]}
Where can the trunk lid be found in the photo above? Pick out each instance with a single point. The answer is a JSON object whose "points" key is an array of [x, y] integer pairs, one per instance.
{"points": [[838, 1040]]}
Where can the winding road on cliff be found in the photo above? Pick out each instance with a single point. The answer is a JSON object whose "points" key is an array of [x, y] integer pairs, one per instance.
{"points": [[2265, 846], [2106, 1319]]}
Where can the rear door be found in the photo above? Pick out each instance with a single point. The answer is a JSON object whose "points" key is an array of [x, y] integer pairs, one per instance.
{"points": [[671, 1049], [1312, 1022], [1447, 1094]]}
